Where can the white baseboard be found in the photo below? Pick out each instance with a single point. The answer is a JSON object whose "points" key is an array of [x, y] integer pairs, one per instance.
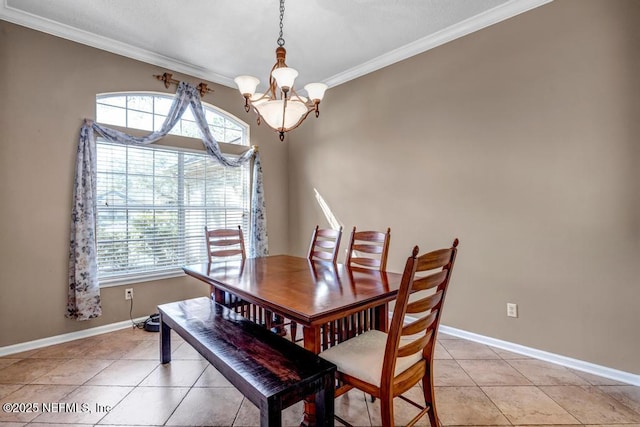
{"points": [[580, 365], [603, 371], [59, 339]]}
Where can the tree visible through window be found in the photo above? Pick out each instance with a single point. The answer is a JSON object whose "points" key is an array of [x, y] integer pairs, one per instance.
{"points": [[154, 201]]}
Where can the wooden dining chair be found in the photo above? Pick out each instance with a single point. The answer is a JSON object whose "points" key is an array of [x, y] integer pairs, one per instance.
{"points": [[324, 244], [386, 365], [368, 249], [228, 244]]}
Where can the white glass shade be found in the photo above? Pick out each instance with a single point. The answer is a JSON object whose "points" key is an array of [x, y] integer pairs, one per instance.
{"points": [[285, 77], [316, 90], [246, 84], [271, 112]]}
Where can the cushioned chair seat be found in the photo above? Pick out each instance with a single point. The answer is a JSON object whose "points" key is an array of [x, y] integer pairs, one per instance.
{"points": [[363, 355]]}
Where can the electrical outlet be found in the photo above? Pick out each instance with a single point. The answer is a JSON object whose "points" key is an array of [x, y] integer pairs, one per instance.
{"points": [[512, 309], [128, 293]]}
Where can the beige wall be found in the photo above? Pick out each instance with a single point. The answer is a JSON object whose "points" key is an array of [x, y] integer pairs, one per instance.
{"points": [[47, 86], [520, 139], [523, 141]]}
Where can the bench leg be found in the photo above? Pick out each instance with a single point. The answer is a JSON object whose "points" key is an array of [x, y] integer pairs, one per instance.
{"points": [[165, 341], [325, 403], [271, 414]]}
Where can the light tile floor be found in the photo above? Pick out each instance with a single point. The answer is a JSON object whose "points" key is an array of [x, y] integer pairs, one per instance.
{"points": [[116, 379]]}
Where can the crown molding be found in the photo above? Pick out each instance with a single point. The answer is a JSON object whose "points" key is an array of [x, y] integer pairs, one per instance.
{"points": [[478, 22], [103, 43], [468, 26]]}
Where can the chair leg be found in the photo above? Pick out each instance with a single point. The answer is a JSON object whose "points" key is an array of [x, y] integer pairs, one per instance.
{"points": [[427, 389], [386, 410], [293, 327]]}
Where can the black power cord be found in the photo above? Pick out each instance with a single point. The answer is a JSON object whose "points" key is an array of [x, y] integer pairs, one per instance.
{"points": [[150, 324], [138, 325]]}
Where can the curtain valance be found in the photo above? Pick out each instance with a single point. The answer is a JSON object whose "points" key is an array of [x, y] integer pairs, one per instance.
{"points": [[84, 290]]}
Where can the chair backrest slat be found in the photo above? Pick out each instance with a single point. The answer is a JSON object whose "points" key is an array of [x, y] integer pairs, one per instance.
{"points": [[435, 259], [365, 262], [430, 281], [324, 256], [365, 243], [415, 346], [424, 304], [372, 236], [225, 242], [329, 233], [420, 325], [325, 244], [222, 232], [225, 253], [370, 249]]}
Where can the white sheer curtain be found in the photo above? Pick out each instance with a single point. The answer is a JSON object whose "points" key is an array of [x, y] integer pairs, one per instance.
{"points": [[84, 290]]}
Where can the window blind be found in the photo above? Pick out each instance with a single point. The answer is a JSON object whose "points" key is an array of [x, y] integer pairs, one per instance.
{"points": [[153, 203]]}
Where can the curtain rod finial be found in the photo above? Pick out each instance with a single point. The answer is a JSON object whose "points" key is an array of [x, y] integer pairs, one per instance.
{"points": [[203, 89], [167, 78]]}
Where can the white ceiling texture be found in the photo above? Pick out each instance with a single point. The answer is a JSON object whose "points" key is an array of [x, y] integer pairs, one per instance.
{"points": [[329, 41]]}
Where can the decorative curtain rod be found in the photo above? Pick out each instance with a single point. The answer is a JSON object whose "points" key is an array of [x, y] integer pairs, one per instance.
{"points": [[168, 80]]}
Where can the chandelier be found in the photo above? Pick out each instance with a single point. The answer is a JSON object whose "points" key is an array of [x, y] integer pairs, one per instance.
{"points": [[280, 107]]}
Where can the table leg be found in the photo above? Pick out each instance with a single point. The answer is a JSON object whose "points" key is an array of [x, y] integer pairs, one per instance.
{"points": [[165, 342], [381, 321], [219, 296], [312, 343], [311, 336], [271, 413]]}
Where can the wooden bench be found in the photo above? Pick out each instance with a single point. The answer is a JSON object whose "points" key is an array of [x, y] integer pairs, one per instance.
{"points": [[272, 372]]}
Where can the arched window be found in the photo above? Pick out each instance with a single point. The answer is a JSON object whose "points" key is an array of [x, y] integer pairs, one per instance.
{"points": [[147, 111], [154, 201]]}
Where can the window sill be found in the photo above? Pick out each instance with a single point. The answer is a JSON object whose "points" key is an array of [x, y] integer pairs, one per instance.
{"points": [[130, 280]]}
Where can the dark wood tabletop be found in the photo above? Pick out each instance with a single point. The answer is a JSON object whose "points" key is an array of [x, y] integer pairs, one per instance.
{"points": [[309, 292]]}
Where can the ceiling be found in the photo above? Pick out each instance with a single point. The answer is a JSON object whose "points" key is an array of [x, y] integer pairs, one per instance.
{"points": [[330, 41]]}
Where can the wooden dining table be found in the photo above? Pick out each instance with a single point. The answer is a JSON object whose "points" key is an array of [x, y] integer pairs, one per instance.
{"points": [[332, 302]]}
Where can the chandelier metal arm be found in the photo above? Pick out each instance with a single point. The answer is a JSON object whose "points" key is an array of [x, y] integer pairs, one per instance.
{"points": [[284, 113]]}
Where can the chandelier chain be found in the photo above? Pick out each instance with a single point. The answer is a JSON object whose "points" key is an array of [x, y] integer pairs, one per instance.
{"points": [[281, 39]]}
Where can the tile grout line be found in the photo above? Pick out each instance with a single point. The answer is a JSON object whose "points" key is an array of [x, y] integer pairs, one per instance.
{"points": [[235, 418], [482, 390]]}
